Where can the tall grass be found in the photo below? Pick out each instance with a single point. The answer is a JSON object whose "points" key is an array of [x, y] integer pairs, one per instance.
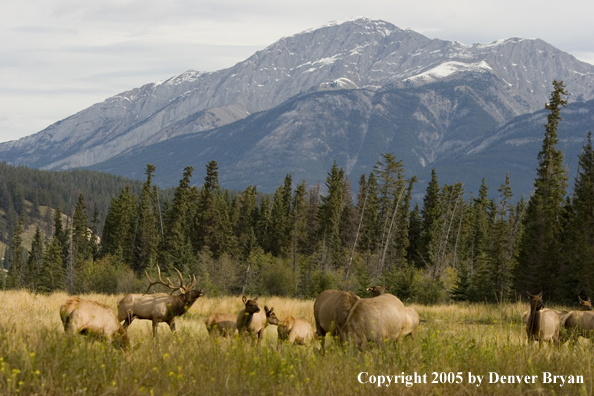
{"points": [[38, 358]]}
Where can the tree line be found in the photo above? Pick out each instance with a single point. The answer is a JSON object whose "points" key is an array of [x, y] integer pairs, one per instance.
{"points": [[303, 239]]}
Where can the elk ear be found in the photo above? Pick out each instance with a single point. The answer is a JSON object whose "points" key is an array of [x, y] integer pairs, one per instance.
{"points": [[244, 299], [580, 300], [389, 288], [529, 295], [267, 310], [255, 299], [540, 294], [589, 300], [369, 289]]}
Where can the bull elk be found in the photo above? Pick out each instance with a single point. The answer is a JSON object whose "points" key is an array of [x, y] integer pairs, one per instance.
{"points": [[221, 323], [375, 320], [582, 321], [295, 330], [412, 317], [92, 318], [542, 324], [251, 319], [159, 307]]}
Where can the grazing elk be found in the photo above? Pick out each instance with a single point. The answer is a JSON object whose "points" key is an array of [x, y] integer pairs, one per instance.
{"points": [[331, 310], [220, 323], [92, 318], [542, 324], [375, 319], [582, 321], [295, 330], [412, 317], [158, 307], [251, 319]]}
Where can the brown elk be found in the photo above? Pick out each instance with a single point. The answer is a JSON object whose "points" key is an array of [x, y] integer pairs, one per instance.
{"points": [[251, 319], [221, 323], [582, 321], [295, 330], [412, 317], [159, 307], [542, 324], [331, 310], [375, 319], [92, 318]]}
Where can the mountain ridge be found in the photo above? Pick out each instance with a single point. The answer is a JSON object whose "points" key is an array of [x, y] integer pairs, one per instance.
{"points": [[358, 55]]}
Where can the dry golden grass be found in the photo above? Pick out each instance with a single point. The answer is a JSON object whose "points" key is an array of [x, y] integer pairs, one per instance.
{"points": [[36, 357]]}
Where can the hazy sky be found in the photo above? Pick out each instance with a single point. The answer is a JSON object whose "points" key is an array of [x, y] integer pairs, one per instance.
{"points": [[58, 57]]}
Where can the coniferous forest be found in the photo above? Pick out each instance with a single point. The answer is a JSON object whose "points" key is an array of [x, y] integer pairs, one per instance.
{"points": [[302, 239]]}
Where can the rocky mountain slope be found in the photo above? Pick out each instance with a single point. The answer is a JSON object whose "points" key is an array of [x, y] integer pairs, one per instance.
{"points": [[329, 90]]}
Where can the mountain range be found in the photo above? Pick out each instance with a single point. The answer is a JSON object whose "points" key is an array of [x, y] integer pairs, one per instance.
{"points": [[344, 92]]}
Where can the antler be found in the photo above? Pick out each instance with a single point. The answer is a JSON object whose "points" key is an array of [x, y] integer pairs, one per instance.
{"points": [[159, 282]]}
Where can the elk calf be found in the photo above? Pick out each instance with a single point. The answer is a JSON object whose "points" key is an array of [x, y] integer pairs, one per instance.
{"points": [[90, 317], [295, 330], [158, 307], [220, 323]]}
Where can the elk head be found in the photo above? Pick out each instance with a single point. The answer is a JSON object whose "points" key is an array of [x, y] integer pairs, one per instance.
{"points": [[251, 306], [585, 305], [536, 303], [271, 316], [378, 290], [188, 294]]}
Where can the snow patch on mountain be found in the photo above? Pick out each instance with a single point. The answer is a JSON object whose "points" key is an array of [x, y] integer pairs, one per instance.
{"points": [[447, 69]]}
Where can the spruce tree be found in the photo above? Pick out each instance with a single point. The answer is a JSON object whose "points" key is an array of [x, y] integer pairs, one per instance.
{"points": [[578, 249], [147, 230], [540, 258], [16, 264]]}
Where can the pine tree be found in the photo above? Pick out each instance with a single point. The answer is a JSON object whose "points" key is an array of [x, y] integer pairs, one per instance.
{"points": [[51, 274], [16, 263], [578, 249], [81, 246], [147, 230], [431, 216], [539, 258], [173, 251], [329, 218], [35, 261]]}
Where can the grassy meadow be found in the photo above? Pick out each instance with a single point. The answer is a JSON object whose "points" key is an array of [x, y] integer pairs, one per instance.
{"points": [[37, 358]]}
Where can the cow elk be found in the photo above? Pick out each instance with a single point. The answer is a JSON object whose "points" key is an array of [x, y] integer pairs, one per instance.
{"points": [[222, 324], [580, 322], [295, 330], [375, 320], [251, 319], [412, 317], [542, 324], [331, 310], [159, 307], [92, 318]]}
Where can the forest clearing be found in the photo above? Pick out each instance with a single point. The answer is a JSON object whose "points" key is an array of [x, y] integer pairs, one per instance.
{"points": [[454, 346]]}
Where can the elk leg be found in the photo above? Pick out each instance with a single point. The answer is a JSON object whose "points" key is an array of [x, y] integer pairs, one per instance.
{"points": [[128, 321], [155, 324]]}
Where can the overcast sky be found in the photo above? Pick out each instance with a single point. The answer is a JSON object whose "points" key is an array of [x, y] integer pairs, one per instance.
{"points": [[61, 56]]}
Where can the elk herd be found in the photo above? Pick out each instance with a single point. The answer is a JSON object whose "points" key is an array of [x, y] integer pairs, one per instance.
{"points": [[342, 314]]}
